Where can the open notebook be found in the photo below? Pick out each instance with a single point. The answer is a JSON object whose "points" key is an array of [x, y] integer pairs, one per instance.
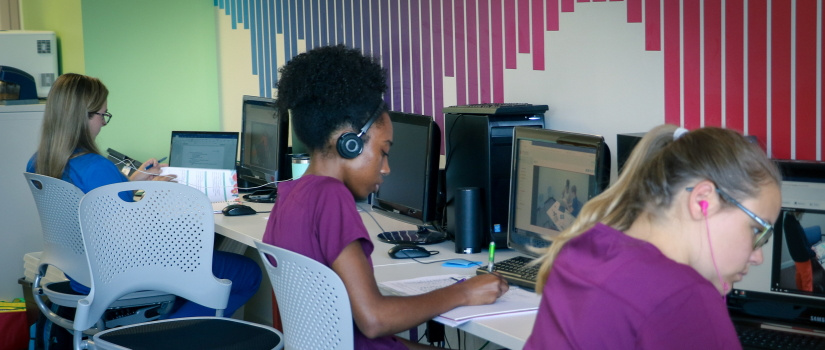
{"points": [[220, 185]]}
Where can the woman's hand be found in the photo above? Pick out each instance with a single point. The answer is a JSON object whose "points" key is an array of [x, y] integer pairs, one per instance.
{"points": [[151, 174], [483, 289]]}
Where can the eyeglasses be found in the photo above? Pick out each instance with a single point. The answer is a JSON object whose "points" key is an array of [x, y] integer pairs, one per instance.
{"points": [[762, 234], [106, 116]]}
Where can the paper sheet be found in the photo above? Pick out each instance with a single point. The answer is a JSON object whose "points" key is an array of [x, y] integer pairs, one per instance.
{"points": [[218, 184], [515, 300]]}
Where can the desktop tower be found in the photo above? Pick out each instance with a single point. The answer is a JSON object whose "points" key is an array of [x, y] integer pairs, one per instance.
{"points": [[626, 143], [479, 147]]}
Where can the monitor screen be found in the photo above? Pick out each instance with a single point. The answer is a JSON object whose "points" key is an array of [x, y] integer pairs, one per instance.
{"points": [[789, 285], [411, 188], [204, 149], [263, 142], [553, 174]]}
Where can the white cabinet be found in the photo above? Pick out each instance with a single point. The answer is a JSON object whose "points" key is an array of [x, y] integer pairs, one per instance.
{"points": [[20, 231]]}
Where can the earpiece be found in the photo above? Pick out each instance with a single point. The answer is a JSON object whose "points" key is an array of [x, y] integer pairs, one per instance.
{"points": [[350, 144], [704, 205]]}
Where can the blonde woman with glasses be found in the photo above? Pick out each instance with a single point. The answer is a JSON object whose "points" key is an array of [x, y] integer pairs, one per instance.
{"points": [[647, 263]]}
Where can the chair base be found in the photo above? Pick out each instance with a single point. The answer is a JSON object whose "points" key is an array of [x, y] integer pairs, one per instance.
{"points": [[190, 333]]}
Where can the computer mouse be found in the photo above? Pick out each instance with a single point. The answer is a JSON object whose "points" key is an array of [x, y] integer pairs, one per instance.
{"points": [[238, 209], [404, 251]]}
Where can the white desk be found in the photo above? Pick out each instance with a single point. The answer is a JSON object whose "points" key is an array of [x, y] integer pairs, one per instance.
{"points": [[509, 330]]}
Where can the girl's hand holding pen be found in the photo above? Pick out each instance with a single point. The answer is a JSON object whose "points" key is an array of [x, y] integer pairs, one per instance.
{"points": [[484, 289]]}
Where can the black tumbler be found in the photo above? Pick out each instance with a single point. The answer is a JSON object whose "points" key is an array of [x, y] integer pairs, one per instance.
{"points": [[468, 235]]}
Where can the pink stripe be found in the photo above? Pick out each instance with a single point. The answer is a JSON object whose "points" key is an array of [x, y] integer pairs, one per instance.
{"points": [[653, 36], [438, 77], [510, 49], [734, 65], [672, 58], [805, 81], [448, 39], [780, 79], [634, 11], [460, 65], [713, 63], [485, 85], [692, 65], [822, 98], [567, 5], [523, 26], [472, 53], [757, 70], [538, 35], [553, 15], [426, 63], [498, 51]]}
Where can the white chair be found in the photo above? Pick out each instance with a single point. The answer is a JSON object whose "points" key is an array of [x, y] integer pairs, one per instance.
{"points": [[162, 242], [313, 302], [57, 204]]}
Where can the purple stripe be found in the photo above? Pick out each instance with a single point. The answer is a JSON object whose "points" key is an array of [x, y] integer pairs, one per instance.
{"points": [[253, 36], [300, 8], [484, 51], [416, 28], [315, 19], [438, 75], [348, 23], [498, 52], [460, 65], [356, 25], [510, 49], [247, 19], [395, 56], [376, 33], [426, 53], [322, 19], [339, 23], [268, 40], [524, 26], [365, 27], [447, 26], [386, 58], [406, 65], [472, 53]]}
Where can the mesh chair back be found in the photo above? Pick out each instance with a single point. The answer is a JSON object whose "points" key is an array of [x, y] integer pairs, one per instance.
{"points": [[312, 299], [57, 202], [162, 242]]}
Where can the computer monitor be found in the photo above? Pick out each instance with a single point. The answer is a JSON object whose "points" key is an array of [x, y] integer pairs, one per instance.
{"points": [[770, 291], [411, 189], [204, 149], [264, 136], [553, 174]]}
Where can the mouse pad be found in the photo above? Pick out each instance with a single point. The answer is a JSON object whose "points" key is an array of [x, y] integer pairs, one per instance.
{"points": [[412, 236]]}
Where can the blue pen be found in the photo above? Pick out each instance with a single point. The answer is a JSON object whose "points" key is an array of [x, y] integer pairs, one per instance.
{"points": [[151, 165], [458, 280]]}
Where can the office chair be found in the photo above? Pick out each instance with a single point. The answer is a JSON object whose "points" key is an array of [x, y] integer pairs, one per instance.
{"points": [[57, 204], [162, 242], [312, 299]]}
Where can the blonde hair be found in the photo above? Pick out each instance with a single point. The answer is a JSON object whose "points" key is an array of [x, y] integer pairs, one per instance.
{"points": [[660, 166], [65, 133]]}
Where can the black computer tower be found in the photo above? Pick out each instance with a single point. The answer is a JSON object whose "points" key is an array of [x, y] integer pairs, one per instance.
{"points": [[479, 147], [626, 143]]}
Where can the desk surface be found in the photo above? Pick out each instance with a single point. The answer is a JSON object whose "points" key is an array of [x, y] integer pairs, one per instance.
{"points": [[506, 330]]}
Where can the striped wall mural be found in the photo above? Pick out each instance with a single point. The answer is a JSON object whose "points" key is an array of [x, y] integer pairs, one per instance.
{"points": [[750, 65]]}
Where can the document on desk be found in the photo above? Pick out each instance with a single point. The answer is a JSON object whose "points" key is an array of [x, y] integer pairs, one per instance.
{"points": [[514, 301], [219, 185]]}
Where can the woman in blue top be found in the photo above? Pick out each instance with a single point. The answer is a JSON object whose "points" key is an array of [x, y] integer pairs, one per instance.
{"points": [[76, 110]]}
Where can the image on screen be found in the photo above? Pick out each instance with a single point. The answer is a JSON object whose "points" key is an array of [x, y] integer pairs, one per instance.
{"points": [[263, 142], [554, 173]]}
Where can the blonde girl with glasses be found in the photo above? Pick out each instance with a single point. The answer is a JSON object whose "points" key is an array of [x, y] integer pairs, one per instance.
{"points": [[647, 263]]}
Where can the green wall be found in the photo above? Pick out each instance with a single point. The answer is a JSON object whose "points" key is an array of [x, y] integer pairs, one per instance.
{"points": [[62, 17], [159, 60]]}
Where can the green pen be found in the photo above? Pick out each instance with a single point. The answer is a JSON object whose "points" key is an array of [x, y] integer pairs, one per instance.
{"points": [[492, 256]]}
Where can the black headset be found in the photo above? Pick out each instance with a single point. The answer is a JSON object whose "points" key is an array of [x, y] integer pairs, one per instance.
{"points": [[350, 144]]}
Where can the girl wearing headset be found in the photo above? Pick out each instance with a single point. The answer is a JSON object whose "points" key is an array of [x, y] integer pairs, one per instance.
{"points": [[334, 96], [647, 263]]}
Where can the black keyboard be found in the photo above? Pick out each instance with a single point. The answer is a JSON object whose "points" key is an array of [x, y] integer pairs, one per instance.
{"points": [[516, 271], [498, 108], [761, 338]]}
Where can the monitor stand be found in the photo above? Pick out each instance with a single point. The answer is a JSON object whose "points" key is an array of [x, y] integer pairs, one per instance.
{"points": [[262, 196]]}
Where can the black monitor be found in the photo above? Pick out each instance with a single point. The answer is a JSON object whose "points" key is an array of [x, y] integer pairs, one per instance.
{"points": [[770, 291], [264, 136], [410, 191], [553, 174]]}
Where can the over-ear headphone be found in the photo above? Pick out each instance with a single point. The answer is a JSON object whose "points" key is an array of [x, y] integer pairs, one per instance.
{"points": [[350, 144], [704, 205]]}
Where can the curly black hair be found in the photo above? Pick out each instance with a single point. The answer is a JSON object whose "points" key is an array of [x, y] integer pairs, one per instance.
{"points": [[328, 88]]}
